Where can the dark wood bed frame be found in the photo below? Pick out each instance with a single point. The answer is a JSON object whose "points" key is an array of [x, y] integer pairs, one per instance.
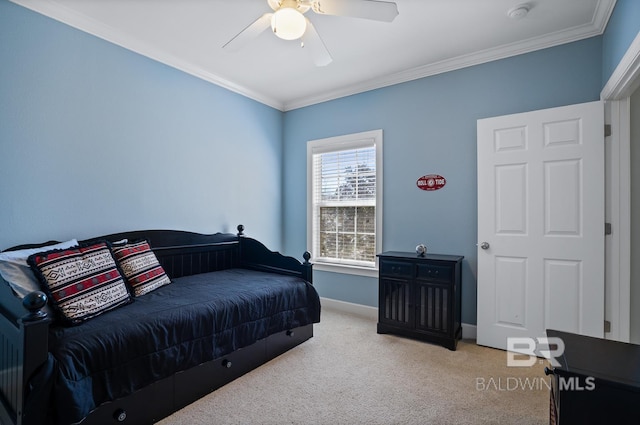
{"points": [[24, 331]]}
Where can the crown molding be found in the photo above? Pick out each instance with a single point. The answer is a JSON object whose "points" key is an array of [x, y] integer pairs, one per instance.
{"points": [[625, 79], [54, 10], [595, 28]]}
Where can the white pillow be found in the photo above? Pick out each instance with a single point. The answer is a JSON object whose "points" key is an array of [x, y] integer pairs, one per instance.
{"points": [[15, 270]]}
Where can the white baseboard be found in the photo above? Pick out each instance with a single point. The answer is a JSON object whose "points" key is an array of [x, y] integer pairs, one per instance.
{"points": [[364, 311], [469, 331], [371, 313]]}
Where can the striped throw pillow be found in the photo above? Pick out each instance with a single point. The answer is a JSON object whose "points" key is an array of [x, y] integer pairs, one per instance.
{"points": [[81, 282], [141, 267]]}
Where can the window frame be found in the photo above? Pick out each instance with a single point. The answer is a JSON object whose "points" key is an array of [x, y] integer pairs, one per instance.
{"points": [[334, 144]]}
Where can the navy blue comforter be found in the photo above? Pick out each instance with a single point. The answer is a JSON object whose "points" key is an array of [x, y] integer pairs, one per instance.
{"points": [[193, 320]]}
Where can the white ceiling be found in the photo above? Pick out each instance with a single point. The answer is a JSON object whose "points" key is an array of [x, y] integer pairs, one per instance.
{"points": [[426, 38]]}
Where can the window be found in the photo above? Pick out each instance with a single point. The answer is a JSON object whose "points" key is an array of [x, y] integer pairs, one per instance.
{"points": [[344, 225]]}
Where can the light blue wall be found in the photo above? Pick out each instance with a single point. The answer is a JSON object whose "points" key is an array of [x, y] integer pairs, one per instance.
{"points": [[622, 29], [430, 127], [96, 139]]}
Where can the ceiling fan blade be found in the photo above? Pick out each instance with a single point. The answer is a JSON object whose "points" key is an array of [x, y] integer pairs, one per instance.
{"points": [[249, 33], [311, 41], [385, 11]]}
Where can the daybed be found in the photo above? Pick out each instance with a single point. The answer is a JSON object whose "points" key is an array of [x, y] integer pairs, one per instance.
{"points": [[231, 305]]}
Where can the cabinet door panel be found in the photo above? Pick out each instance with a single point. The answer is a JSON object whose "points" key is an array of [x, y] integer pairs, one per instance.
{"points": [[395, 297], [433, 307]]}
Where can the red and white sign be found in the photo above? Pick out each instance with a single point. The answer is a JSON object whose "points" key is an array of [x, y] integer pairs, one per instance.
{"points": [[431, 182]]}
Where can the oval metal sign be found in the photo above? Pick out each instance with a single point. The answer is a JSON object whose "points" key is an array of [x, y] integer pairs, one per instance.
{"points": [[431, 182]]}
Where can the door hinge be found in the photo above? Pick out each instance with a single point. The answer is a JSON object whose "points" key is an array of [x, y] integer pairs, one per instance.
{"points": [[607, 130], [607, 229], [607, 326]]}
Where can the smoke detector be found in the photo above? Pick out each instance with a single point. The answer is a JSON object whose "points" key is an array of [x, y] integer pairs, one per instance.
{"points": [[519, 11]]}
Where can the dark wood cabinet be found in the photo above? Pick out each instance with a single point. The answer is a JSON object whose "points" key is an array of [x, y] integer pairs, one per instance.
{"points": [[597, 381], [419, 296]]}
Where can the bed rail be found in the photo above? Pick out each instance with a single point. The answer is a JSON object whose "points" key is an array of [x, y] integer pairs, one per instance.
{"points": [[23, 349], [254, 255]]}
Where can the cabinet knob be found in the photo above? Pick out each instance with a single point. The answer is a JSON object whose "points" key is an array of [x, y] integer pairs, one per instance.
{"points": [[227, 363], [548, 371]]}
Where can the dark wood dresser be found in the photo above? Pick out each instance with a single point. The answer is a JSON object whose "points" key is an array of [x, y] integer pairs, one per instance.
{"points": [[419, 296], [597, 381]]}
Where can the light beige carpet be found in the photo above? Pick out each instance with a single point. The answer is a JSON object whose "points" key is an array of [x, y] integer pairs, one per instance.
{"points": [[348, 374]]}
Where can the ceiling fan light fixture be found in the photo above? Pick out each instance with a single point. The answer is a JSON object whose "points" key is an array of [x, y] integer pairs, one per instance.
{"points": [[288, 24]]}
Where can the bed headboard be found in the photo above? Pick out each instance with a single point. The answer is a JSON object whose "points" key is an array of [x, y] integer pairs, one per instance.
{"points": [[183, 253]]}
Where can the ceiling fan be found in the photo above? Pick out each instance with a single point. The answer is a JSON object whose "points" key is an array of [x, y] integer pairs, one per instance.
{"points": [[288, 22]]}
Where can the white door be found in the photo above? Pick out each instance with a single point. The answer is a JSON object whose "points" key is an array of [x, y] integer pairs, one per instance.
{"points": [[541, 223]]}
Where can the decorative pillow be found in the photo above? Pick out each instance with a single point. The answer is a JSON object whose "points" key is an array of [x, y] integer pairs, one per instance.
{"points": [[82, 282], [15, 270], [141, 267]]}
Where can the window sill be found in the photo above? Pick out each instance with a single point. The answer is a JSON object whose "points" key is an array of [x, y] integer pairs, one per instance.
{"points": [[346, 269]]}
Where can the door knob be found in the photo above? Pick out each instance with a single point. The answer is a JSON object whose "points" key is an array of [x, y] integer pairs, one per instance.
{"points": [[484, 245]]}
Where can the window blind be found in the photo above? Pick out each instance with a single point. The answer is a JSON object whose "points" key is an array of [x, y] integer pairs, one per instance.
{"points": [[344, 203]]}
